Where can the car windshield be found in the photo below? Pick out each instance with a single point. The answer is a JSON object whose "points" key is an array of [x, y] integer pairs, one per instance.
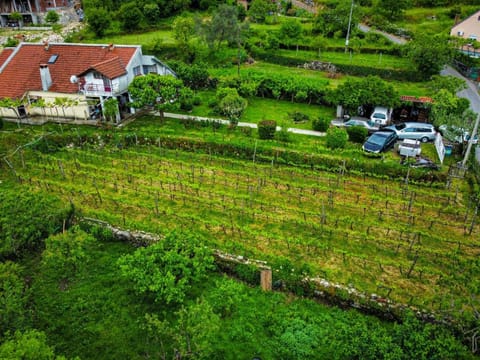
{"points": [[377, 139], [379, 116]]}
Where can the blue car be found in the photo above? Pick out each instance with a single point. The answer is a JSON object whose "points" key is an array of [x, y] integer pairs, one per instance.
{"points": [[380, 141]]}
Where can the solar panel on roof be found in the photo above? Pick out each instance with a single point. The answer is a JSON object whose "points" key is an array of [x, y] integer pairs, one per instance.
{"points": [[52, 59]]}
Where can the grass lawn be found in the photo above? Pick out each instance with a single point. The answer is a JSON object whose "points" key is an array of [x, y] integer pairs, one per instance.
{"points": [[262, 108]]}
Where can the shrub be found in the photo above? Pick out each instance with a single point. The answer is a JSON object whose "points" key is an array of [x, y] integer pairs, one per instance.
{"points": [[357, 134], [1, 123], [298, 116], [283, 135], [266, 129], [321, 124], [52, 17], [336, 138], [186, 99]]}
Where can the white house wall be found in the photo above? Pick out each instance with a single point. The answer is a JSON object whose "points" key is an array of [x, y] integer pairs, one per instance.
{"points": [[79, 111]]}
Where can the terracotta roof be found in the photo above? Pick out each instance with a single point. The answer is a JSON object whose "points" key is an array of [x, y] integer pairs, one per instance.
{"points": [[22, 71], [4, 55], [111, 68]]}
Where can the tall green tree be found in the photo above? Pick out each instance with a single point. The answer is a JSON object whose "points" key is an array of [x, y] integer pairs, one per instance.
{"points": [[168, 269], [428, 54], [333, 21], [392, 9], [27, 345], [98, 20], [291, 32], [12, 297], [260, 9], [66, 253], [155, 90], [370, 91], [131, 16], [223, 27], [184, 31]]}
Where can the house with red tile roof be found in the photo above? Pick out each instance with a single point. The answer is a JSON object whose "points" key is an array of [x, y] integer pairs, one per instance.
{"points": [[37, 75]]}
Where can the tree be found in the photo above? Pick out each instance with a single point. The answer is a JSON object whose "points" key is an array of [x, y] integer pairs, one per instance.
{"points": [[447, 108], [291, 32], [429, 54], [334, 21], [98, 20], [151, 13], [230, 104], [197, 329], [110, 108], [28, 345], [52, 17], [155, 90], [393, 9], [260, 9], [222, 27], [370, 91], [183, 32], [66, 253], [12, 297], [169, 268], [130, 16]]}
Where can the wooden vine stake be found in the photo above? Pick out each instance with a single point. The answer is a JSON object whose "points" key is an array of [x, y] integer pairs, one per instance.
{"points": [[266, 279]]}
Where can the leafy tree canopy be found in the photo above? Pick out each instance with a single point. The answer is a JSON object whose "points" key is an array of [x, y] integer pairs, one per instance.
{"points": [[429, 54], [28, 345], [155, 90], [369, 91], [98, 20], [169, 268]]}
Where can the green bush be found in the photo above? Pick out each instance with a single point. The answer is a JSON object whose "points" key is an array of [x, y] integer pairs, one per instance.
{"points": [[298, 116], [266, 129], [321, 124], [336, 138], [357, 134], [186, 99], [26, 219]]}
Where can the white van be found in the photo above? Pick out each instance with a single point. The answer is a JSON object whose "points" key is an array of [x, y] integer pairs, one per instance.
{"points": [[381, 115]]}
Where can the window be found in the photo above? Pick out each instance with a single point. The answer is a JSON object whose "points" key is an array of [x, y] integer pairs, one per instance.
{"points": [[97, 75], [137, 71], [147, 69]]}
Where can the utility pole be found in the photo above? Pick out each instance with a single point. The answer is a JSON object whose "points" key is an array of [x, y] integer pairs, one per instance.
{"points": [[348, 29], [470, 142]]}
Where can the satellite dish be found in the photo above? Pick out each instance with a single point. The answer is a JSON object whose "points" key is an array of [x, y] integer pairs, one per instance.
{"points": [[73, 79]]}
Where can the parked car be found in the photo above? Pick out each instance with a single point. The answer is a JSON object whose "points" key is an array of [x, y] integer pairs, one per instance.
{"points": [[409, 148], [380, 141], [356, 121], [381, 115], [456, 134], [413, 130]]}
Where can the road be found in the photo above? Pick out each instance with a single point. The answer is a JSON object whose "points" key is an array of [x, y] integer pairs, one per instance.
{"points": [[393, 38], [242, 124], [470, 93]]}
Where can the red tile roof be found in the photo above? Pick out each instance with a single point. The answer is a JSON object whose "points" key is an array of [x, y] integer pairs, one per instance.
{"points": [[4, 55], [22, 73], [111, 68]]}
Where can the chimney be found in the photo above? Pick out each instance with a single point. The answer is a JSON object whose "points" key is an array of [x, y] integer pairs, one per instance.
{"points": [[111, 47], [45, 77], [46, 45]]}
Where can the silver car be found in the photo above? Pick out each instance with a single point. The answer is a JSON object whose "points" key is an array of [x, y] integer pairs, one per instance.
{"points": [[413, 130]]}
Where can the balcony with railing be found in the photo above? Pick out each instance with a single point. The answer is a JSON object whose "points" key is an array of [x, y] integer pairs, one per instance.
{"points": [[91, 89]]}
